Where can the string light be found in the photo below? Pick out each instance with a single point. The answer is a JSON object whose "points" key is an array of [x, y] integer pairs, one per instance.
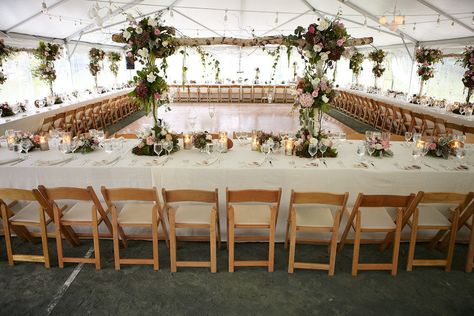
{"points": [[225, 16], [171, 12], [276, 18], [452, 23], [383, 19], [44, 8], [438, 20]]}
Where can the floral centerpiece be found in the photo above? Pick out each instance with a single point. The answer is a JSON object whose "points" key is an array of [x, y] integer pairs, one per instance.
{"points": [[114, 59], [304, 139], [263, 138], [149, 137], [85, 143], [355, 64], [440, 147], [6, 110], [377, 56], [4, 53], [95, 57], [201, 139], [380, 147], [468, 78], [47, 54], [426, 58], [32, 139]]}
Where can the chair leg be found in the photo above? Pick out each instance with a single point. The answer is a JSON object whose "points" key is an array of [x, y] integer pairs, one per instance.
{"points": [[291, 256], [154, 232], [212, 240], [470, 251], [288, 224], [7, 233], [115, 229], [230, 240], [44, 240], [396, 243], [355, 257], [332, 255], [95, 237], [59, 242], [452, 241], [172, 241], [411, 249], [271, 242]]}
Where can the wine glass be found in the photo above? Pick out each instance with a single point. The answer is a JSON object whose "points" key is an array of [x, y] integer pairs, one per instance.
{"points": [[100, 135], [266, 149], [312, 149], [64, 148], [209, 148], [408, 136], [369, 135], [416, 153], [158, 148], [168, 146], [370, 150], [108, 146], [25, 145], [416, 137], [424, 150], [192, 120], [460, 154], [322, 148], [361, 151], [212, 111]]}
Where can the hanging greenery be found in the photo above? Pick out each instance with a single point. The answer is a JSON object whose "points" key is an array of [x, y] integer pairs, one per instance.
{"points": [[257, 75], [377, 56], [114, 59], [47, 54], [4, 53], [95, 57], [276, 54], [355, 63], [207, 59], [184, 68], [467, 62]]}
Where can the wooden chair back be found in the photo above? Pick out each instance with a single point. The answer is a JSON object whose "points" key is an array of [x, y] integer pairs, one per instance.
{"points": [[318, 198], [130, 194], [201, 196], [401, 201]]}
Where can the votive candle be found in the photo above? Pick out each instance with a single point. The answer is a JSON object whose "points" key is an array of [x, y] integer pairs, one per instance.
{"points": [[187, 141]]}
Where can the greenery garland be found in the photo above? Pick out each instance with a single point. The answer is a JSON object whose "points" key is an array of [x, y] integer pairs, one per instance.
{"points": [[114, 59], [47, 54], [96, 55], [207, 59], [276, 54]]}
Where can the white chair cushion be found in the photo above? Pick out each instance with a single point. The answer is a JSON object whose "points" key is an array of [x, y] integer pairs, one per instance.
{"points": [[431, 216], [251, 214], [136, 213], [376, 217], [30, 214], [193, 214], [313, 216], [80, 212]]}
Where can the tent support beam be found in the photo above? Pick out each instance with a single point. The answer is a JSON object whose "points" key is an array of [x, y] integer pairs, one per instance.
{"points": [[449, 16]]}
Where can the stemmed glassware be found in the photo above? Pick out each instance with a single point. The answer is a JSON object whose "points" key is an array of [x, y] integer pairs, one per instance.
{"points": [[312, 149], [266, 148], [192, 120], [322, 148], [25, 147], [212, 112], [168, 146], [158, 148], [416, 137], [64, 148], [416, 153], [361, 152], [460, 154], [209, 148], [408, 136]]}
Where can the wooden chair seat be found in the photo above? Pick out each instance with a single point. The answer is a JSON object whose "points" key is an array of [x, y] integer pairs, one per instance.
{"points": [[376, 218], [29, 214], [311, 216], [431, 216], [193, 214], [251, 214], [80, 212], [136, 214]]}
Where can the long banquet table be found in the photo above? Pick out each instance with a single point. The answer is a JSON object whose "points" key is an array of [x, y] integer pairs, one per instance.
{"points": [[433, 111], [32, 119], [341, 174]]}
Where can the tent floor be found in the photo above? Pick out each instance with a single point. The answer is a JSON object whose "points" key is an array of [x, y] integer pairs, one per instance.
{"points": [[30, 289]]}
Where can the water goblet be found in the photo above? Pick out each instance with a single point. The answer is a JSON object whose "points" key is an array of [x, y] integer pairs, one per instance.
{"points": [[369, 135], [322, 148], [158, 148], [266, 149], [168, 146], [64, 148], [209, 148], [361, 151], [460, 154], [25, 145], [408, 136], [370, 150], [312, 149], [416, 153], [416, 137]]}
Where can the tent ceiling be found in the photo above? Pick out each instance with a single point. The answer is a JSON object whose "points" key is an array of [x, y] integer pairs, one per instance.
{"points": [[244, 18]]}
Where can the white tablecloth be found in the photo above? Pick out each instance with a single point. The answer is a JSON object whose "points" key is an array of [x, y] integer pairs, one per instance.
{"points": [[433, 111], [32, 119], [340, 175]]}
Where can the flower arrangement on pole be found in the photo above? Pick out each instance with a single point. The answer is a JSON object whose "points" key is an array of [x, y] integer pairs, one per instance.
{"points": [[324, 45], [47, 54], [95, 57], [148, 40], [355, 64], [426, 58], [377, 56], [468, 78], [4, 53], [114, 59]]}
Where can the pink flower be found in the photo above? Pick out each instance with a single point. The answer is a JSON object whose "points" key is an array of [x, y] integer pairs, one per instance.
{"points": [[315, 93], [471, 60], [157, 32], [157, 95], [340, 41], [432, 146], [323, 85], [150, 141], [129, 54], [425, 64], [300, 91], [385, 144], [46, 53], [306, 100], [311, 29]]}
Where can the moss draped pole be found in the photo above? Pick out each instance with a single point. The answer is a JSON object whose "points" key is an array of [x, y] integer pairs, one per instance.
{"points": [[244, 42]]}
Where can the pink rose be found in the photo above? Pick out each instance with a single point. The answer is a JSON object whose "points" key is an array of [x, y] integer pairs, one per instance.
{"points": [[157, 95], [157, 32], [340, 41], [129, 54], [315, 93], [425, 64], [311, 29], [46, 53], [150, 141], [432, 146], [300, 91]]}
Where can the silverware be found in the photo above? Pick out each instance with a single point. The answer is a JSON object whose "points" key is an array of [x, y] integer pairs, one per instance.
{"points": [[270, 163], [17, 162], [430, 166], [9, 162], [324, 162], [66, 161]]}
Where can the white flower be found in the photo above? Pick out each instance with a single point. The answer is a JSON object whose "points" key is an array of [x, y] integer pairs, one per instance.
{"points": [[323, 25], [139, 30], [315, 82], [317, 48], [325, 98], [378, 146], [209, 137], [151, 77], [324, 56], [126, 35], [165, 43], [143, 52], [313, 140], [163, 132], [152, 22]]}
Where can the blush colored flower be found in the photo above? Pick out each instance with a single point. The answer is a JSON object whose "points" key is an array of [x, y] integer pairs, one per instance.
{"points": [[150, 140], [315, 93], [306, 100], [157, 32], [141, 90], [169, 137], [157, 95], [340, 41], [311, 29]]}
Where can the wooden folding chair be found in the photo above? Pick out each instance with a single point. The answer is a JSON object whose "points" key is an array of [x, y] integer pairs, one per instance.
{"points": [[88, 211], [148, 215], [252, 209], [470, 251], [193, 209], [370, 215], [427, 215], [34, 214], [311, 212]]}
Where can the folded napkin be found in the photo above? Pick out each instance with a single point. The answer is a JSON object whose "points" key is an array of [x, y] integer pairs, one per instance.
{"points": [[8, 161], [207, 162], [311, 164], [256, 162], [52, 162], [157, 161], [362, 165], [105, 162]]}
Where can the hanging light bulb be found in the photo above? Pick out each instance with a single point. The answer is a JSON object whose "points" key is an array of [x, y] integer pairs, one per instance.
{"points": [[383, 19], [452, 23], [365, 21], [438, 20], [276, 18], [398, 19], [225, 16], [44, 8], [414, 26], [171, 12], [393, 26]]}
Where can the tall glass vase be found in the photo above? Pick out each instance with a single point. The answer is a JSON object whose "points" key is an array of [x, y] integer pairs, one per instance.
{"points": [[422, 84], [469, 94]]}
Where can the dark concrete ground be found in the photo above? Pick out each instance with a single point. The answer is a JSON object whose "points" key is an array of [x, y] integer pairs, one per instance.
{"points": [[29, 289]]}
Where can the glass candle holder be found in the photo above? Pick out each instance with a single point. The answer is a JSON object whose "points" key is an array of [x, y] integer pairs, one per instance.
{"points": [[289, 144], [187, 144], [43, 143]]}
